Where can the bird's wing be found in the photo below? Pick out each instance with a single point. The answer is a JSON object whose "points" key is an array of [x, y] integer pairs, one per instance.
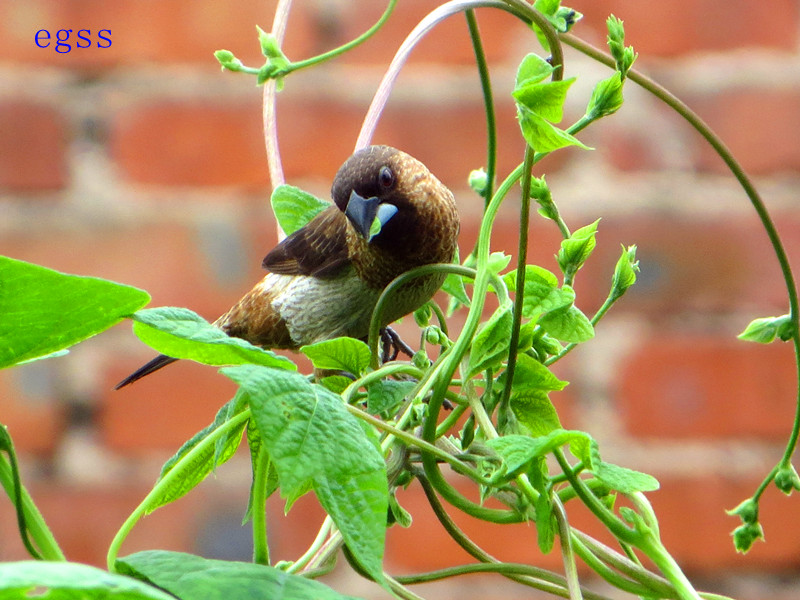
{"points": [[318, 249]]}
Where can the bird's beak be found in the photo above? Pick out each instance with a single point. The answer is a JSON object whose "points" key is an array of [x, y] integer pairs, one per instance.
{"points": [[368, 215]]}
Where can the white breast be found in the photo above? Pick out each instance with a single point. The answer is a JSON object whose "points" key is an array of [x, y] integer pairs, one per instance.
{"points": [[319, 309]]}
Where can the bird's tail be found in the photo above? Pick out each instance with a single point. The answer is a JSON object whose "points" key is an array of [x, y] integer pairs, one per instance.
{"points": [[162, 360]]}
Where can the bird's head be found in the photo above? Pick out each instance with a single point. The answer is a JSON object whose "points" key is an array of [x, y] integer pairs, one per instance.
{"points": [[380, 185]]}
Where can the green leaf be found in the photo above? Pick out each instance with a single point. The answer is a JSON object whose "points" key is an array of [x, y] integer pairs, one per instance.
{"points": [[576, 248], [490, 345], [606, 97], [519, 450], [535, 412], [191, 577], [203, 464], [181, 333], [531, 375], [786, 479], [619, 478], [294, 208], [542, 294], [498, 261], [454, 285], [529, 400], [624, 56], [747, 511], [624, 272], [535, 277], [544, 99], [11, 482], [399, 514], [561, 18], [43, 311], [532, 69], [336, 383], [254, 443], [316, 443], [545, 524], [386, 395], [542, 135], [569, 325], [63, 580], [746, 535], [340, 354], [766, 329]]}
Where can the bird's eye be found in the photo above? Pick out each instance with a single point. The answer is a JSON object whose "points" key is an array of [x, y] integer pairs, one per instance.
{"points": [[386, 177]]}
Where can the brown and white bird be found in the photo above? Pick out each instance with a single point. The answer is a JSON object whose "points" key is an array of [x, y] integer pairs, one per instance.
{"points": [[325, 278]]}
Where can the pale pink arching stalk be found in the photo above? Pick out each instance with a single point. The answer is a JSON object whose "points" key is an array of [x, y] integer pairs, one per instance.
{"points": [[269, 111], [384, 89], [432, 19]]}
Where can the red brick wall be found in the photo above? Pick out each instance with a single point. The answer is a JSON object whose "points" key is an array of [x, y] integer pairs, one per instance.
{"points": [[145, 164]]}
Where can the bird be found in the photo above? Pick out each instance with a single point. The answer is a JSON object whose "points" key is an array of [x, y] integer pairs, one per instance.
{"points": [[324, 279]]}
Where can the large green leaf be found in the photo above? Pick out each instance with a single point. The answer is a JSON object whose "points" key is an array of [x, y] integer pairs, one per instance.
{"points": [[294, 207], [191, 577], [315, 443], [43, 311], [71, 581], [490, 346], [568, 325], [340, 354], [205, 461], [181, 333]]}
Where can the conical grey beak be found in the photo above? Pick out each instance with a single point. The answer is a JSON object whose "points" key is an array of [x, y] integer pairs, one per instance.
{"points": [[362, 212]]}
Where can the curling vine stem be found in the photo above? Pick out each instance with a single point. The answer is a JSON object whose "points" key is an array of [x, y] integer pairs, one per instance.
{"points": [[747, 185]]}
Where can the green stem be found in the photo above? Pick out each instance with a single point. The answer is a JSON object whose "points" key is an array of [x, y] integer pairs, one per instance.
{"points": [[426, 448], [656, 552], [565, 536], [607, 304], [451, 420], [259, 509], [608, 518], [452, 358], [534, 577], [30, 520], [488, 103], [308, 62], [618, 581], [308, 555], [383, 300], [522, 261], [152, 499], [755, 199]]}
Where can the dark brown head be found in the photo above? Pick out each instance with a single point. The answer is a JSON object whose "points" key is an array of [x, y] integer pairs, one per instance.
{"points": [[409, 202]]}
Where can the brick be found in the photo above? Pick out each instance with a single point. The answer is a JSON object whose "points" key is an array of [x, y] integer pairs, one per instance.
{"points": [[143, 32], [316, 136], [33, 417], [672, 29], [84, 520], [762, 145], [448, 42], [434, 549], [192, 143], [163, 410], [694, 509], [694, 386], [688, 265], [33, 143], [163, 259], [443, 136]]}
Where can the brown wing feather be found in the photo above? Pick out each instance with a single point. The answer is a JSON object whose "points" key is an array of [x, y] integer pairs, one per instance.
{"points": [[318, 249]]}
